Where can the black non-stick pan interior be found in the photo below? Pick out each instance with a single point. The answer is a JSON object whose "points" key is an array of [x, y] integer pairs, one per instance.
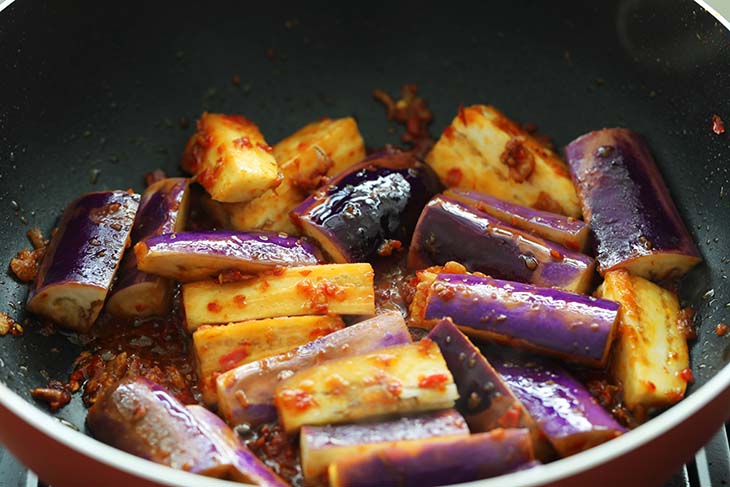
{"points": [[94, 94]]}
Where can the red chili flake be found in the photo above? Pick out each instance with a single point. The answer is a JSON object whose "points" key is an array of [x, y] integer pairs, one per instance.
{"points": [[454, 177], [242, 143], [296, 399], [305, 272], [239, 300], [233, 358], [721, 329], [511, 418], [449, 132], [686, 375], [462, 115], [394, 387], [651, 386], [433, 381], [214, 307], [718, 126], [556, 255], [389, 246]]}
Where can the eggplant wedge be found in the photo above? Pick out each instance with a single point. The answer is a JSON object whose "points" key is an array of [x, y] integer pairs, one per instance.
{"points": [[485, 151], [82, 259], [449, 230], [436, 461], [162, 209], [141, 418], [323, 445], [651, 358], [222, 348], [402, 379], [195, 256], [311, 290], [570, 326], [370, 209], [230, 158], [634, 221], [246, 393]]}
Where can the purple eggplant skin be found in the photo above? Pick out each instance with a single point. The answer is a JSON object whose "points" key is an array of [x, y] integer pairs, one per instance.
{"points": [[163, 209], [570, 326], [246, 393], [449, 230], [82, 259], [140, 417], [366, 209], [484, 399], [564, 410], [321, 445], [567, 231], [196, 256], [244, 464], [439, 461], [634, 221]]}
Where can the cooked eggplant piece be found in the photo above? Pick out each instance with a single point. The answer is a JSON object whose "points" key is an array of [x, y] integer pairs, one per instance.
{"points": [[634, 222], [485, 151], [319, 149], [484, 399], [162, 209], [449, 230], [436, 461], [141, 418], [82, 259], [310, 290], [246, 393], [222, 348], [651, 360], [322, 445], [230, 158], [370, 209], [571, 326], [565, 230], [569, 417], [395, 380], [195, 256]]}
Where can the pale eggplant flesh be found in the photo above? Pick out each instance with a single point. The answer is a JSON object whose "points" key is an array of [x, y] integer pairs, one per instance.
{"points": [[370, 209], [634, 221], [246, 393], [570, 326], [449, 230], [196, 256], [162, 209], [82, 259]]}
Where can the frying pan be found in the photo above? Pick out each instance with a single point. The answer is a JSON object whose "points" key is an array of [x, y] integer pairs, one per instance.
{"points": [[92, 95]]}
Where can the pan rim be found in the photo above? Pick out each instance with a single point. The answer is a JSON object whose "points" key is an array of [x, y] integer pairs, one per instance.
{"points": [[561, 469], [558, 470]]}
